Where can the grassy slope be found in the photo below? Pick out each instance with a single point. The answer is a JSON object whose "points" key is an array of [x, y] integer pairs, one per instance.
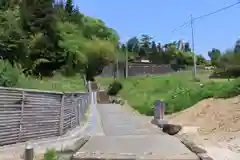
{"points": [[56, 83], [178, 90]]}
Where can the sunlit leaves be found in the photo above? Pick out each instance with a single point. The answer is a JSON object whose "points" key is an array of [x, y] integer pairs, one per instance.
{"points": [[72, 41]]}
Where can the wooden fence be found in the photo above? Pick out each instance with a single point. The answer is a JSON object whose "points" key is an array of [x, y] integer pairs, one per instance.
{"points": [[31, 114]]}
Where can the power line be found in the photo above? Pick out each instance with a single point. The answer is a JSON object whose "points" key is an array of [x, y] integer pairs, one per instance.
{"points": [[183, 25], [222, 9], [208, 14]]}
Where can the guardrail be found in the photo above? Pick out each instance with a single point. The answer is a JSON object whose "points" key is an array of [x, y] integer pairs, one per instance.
{"points": [[31, 114]]}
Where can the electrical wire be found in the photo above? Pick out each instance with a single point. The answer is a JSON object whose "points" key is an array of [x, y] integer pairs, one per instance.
{"points": [[206, 15]]}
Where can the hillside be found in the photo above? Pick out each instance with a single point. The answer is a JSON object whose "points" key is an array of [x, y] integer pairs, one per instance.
{"points": [[47, 44], [177, 90]]}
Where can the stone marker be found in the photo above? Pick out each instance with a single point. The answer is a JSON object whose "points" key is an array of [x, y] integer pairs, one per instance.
{"points": [[159, 110], [29, 154]]}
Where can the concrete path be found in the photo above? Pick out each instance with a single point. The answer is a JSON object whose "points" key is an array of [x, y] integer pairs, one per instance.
{"points": [[118, 122], [125, 137]]}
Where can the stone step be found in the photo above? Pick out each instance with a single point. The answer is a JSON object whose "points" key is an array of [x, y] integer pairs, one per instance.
{"points": [[94, 86], [103, 97]]}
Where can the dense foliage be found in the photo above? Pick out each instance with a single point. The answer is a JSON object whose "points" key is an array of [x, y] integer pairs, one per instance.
{"points": [[177, 53], [114, 88], [177, 90], [40, 37], [226, 63]]}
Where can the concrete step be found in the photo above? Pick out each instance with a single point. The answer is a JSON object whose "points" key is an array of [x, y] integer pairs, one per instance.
{"points": [[103, 97], [149, 147], [94, 86]]}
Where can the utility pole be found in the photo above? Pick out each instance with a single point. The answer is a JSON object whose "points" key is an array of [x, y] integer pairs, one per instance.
{"points": [[193, 50], [126, 67]]}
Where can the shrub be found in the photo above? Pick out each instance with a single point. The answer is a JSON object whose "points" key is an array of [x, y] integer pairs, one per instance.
{"points": [[186, 97], [114, 88], [9, 75], [51, 154], [229, 89], [230, 72], [183, 98]]}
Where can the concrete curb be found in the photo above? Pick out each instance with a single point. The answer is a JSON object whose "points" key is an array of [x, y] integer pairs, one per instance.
{"points": [[61, 145], [199, 151]]}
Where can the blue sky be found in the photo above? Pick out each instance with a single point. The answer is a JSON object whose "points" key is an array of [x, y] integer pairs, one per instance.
{"points": [[159, 17]]}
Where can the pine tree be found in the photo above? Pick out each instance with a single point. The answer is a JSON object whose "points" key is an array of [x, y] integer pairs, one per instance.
{"points": [[69, 7], [159, 47], [237, 47], [154, 48], [6, 4], [38, 17], [39, 24]]}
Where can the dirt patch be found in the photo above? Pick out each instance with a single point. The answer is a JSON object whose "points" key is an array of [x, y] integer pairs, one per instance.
{"points": [[213, 124], [212, 116]]}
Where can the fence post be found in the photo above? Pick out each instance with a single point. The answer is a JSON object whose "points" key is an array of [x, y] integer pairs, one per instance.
{"points": [[83, 108], [91, 94], [79, 111], [61, 115], [72, 106], [21, 119], [95, 97]]}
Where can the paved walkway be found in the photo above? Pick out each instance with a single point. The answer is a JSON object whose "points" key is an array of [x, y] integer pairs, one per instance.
{"points": [[118, 122], [124, 136]]}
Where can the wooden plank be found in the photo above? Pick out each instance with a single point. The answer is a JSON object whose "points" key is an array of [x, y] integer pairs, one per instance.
{"points": [[61, 115], [22, 109], [9, 140], [39, 129]]}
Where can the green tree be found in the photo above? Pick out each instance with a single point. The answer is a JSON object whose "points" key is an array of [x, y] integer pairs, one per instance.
{"points": [[11, 36], [145, 43], [39, 23], [69, 7], [81, 55], [187, 47], [159, 47], [133, 45], [60, 12], [229, 64], [44, 35], [201, 60], [214, 55], [237, 47], [154, 48], [7, 4]]}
